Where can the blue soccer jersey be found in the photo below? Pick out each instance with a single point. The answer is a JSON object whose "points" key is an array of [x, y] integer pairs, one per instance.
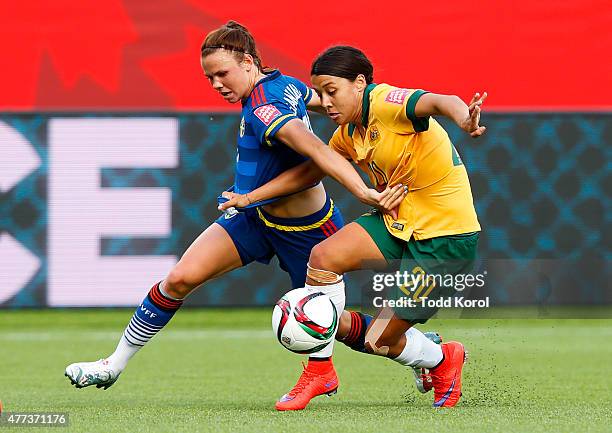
{"points": [[275, 100], [257, 235]]}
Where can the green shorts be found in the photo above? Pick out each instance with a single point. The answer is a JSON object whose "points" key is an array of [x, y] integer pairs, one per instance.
{"points": [[441, 263]]}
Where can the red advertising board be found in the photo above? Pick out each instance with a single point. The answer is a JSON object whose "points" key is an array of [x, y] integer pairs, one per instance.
{"points": [[137, 55]]}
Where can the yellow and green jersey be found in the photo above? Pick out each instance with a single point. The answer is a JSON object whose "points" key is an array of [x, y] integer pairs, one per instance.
{"points": [[399, 147]]}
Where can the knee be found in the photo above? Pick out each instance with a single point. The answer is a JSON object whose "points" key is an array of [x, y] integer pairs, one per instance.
{"points": [[322, 257], [178, 284]]}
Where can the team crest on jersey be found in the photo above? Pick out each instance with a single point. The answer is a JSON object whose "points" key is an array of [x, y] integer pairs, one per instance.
{"points": [[397, 96], [242, 127], [267, 113], [374, 134]]}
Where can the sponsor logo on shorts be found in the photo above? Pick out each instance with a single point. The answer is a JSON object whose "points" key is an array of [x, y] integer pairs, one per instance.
{"points": [[267, 113], [397, 226], [397, 96], [230, 213]]}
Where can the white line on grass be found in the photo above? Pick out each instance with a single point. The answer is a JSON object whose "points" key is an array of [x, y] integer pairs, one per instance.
{"points": [[181, 334]]}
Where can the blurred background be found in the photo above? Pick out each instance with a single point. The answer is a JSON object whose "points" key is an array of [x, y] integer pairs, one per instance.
{"points": [[113, 146]]}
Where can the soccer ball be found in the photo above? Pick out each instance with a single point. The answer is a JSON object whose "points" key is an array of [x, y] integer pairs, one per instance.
{"points": [[304, 320]]}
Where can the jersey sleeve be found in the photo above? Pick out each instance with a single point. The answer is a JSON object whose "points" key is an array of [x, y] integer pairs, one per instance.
{"points": [[395, 108], [269, 118], [338, 143], [306, 91]]}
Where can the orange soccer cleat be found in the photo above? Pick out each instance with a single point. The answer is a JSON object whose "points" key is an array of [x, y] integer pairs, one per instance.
{"points": [[422, 379], [446, 377], [318, 378]]}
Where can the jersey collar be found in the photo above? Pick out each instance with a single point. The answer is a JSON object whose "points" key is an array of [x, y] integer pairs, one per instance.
{"points": [[365, 109], [269, 77]]}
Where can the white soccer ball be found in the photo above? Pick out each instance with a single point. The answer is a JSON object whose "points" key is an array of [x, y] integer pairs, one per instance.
{"points": [[304, 320]]}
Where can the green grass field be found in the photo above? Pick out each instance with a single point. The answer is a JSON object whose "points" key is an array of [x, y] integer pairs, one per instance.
{"points": [[222, 370]]}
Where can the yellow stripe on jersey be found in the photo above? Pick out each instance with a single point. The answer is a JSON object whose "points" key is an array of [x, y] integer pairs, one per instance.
{"points": [[298, 228], [274, 125]]}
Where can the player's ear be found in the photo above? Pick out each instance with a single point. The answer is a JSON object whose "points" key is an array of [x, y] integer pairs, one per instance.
{"points": [[360, 82], [247, 61]]}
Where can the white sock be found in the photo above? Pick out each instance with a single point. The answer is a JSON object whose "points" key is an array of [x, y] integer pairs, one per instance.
{"points": [[420, 351], [122, 354], [338, 297]]}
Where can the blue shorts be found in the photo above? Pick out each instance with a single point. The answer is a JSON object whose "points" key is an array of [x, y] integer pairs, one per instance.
{"points": [[259, 236]]}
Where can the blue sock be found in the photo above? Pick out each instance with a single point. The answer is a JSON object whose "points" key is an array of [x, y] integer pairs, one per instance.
{"points": [[355, 339], [150, 317]]}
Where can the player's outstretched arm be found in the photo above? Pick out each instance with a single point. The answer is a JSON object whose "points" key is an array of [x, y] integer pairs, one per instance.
{"points": [[467, 117], [296, 135], [323, 161], [288, 182]]}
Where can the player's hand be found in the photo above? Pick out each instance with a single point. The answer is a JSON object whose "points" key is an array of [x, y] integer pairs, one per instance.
{"points": [[471, 123], [387, 201], [234, 200]]}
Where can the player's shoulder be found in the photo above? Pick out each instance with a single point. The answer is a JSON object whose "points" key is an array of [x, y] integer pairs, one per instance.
{"points": [[279, 87], [394, 107], [386, 95], [273, 90]]}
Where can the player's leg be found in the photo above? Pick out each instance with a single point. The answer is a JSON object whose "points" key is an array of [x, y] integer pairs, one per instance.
{"points": [[355, 249], [393, 337], [216, 251], [319, 376], [348, 250], [437, 366], [369, 243], [293, 239], [213, 253], [391, 333]]}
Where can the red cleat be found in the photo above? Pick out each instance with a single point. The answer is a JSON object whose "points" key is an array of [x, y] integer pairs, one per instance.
{"points": [[422, 379], [446, 377], [318, 378]]}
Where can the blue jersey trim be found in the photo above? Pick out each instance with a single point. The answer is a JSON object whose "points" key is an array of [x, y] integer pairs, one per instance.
{"points": [[308, 95]]}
